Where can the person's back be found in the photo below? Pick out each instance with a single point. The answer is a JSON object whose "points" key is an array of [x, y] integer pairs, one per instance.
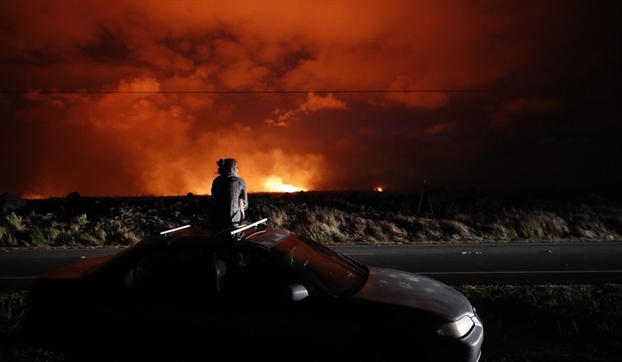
{"points": [[229, 197]]}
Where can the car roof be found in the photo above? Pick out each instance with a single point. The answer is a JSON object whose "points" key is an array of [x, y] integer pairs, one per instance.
{"points": [[256, 236], [254, 233]]}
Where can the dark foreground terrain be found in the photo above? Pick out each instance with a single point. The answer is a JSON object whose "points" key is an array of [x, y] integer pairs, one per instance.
{"points": [[539, 323], [522, 323]]}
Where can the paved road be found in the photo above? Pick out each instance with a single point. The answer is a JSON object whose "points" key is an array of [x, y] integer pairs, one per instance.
{"points": [[521, 264]]}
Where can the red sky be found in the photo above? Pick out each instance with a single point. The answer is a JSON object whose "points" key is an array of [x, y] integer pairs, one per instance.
{"points": [[143, 97]]}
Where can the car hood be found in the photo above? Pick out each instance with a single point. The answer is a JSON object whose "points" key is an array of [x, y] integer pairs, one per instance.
{"points": [[414, 291], [73, 270]]}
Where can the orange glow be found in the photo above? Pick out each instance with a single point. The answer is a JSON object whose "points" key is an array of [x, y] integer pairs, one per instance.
{"points": [[143, 97], [32, 196], [275, 184]]}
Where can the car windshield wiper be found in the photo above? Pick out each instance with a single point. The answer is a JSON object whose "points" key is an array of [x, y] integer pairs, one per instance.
{"points": [[332, 253], [352, 261]]}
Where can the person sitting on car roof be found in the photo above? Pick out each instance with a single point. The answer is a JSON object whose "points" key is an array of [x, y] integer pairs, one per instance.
{"points": [[229, 196]]}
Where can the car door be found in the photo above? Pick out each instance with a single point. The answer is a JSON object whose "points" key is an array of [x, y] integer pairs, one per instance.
{"points": [[171, 305], [255, 304]]}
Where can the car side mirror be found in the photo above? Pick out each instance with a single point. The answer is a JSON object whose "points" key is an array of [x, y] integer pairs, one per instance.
{"points": [[297, 292]]}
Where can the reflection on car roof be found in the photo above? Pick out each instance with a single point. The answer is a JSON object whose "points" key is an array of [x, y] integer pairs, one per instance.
{"points": [[271, 237]]}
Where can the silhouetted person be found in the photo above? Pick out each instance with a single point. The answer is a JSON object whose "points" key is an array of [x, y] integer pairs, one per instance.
{"points": [[229, 196]]}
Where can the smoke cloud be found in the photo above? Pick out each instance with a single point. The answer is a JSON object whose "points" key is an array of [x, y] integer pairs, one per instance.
{"points": [[143, 97]]}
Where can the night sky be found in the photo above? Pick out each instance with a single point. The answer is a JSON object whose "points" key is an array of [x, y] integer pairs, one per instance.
{"points": [[116, 98]]}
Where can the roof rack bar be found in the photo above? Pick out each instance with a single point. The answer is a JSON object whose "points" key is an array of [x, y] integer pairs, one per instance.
{"points": [[245, 227], [165, 232]]}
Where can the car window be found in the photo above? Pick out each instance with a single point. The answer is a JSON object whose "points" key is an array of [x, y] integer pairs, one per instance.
{"points": [[252, 274], [190, 269], [325, 268]]}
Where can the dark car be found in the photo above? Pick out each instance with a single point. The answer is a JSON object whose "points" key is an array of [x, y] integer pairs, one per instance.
{"points": [[252, 292]]}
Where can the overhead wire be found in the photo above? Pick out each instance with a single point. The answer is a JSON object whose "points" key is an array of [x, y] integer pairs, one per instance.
{"points": [[336, 91]]}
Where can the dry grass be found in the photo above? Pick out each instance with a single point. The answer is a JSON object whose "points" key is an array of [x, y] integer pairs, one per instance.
{"points": [[377, 218], [12, 345], [550, 322]]}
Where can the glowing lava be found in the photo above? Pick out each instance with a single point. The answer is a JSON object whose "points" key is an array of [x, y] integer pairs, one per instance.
{"points": [[275, 184]]}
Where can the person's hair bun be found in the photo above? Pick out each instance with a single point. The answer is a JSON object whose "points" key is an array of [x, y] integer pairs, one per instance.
{"points": [[220, 162]]}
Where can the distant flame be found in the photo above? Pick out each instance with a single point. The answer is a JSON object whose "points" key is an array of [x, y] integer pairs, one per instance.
{"points": [[275, 184], [31, 196], [378, 189]]}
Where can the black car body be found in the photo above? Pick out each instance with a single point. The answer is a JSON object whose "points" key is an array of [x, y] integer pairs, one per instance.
{"points": [[191, 295]]}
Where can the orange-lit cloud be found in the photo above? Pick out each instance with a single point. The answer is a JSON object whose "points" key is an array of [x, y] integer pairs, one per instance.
{"points": [[442, 127], [144, 96], [151, 137], [313, 103], [522, 106]]}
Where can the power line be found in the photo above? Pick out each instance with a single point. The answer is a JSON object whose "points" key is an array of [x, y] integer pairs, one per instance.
{"points": [[481, 90]]}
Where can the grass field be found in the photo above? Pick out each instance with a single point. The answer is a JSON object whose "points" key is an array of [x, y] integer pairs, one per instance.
{"points": [[328, 217]]}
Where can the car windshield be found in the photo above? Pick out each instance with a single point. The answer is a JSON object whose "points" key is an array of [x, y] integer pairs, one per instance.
{"points": [[331, 271]]}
